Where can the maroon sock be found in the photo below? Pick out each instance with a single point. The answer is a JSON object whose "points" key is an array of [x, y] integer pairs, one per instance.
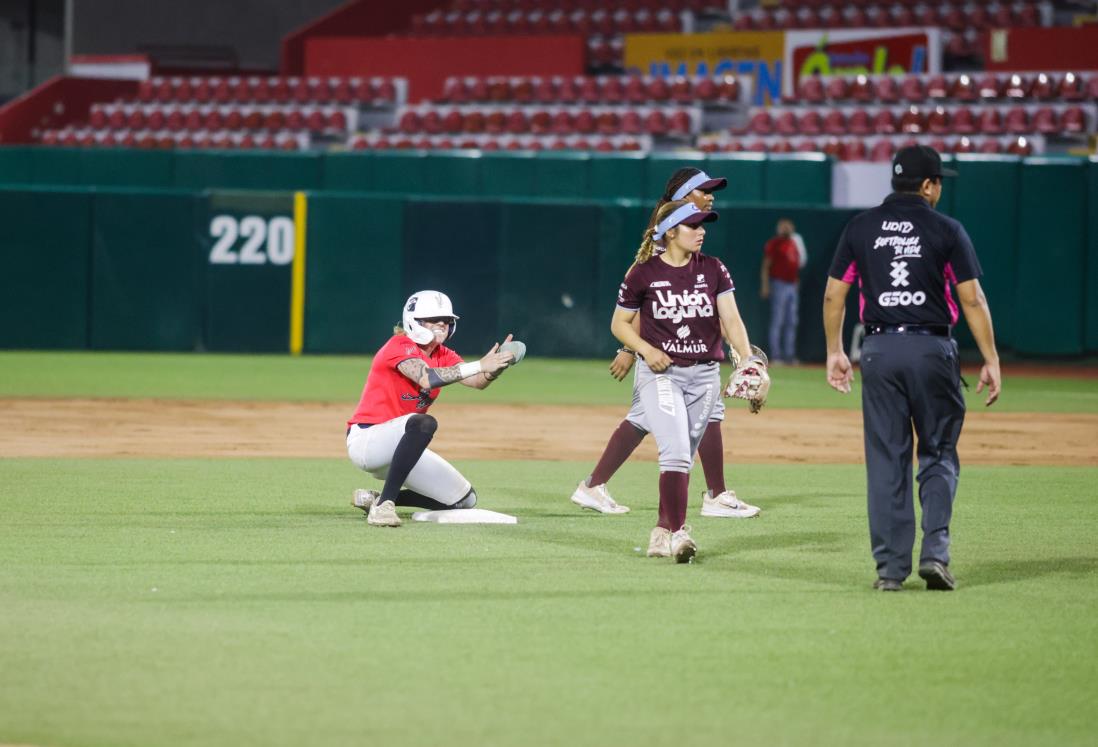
{"points": [[624, 440], [674, 487], [711, 453]]}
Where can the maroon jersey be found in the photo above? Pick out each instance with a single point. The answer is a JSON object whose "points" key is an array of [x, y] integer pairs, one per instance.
{"points": [[678, 306]]}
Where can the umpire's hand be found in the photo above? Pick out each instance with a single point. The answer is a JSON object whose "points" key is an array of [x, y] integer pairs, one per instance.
{"points": [[839, 372]]}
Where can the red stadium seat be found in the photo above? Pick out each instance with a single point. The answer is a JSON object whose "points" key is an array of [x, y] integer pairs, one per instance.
{"points": [[964, 121], [990, 146], [882, 151], [562, 123], [810, 123], [495, 123], [837, 89], [810, 89], [410, 122], [913, 121], [862, 89], [584, 122], [680, 123], [786, 123], [1017, 87], [835, 123], [632, 123], [859, 123], [174, 119], [806, 146], [659, 90], [541, 123], [1016, 121], [1020, 147], [990, 87], [1072, 88], [655, 123], [990, 122], [888, 90], [937, 122], [517, 123], [833, 147], [682, 92], [964, 88], [474, 122], [761, 123], [884, 122], [97, 118], [854, 150], [1044, 87], [912, 90], [1073, 120], [1046, 121]]}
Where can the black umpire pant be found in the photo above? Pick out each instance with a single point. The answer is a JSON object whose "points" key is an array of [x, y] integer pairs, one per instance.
{"points": [[910, 379]]}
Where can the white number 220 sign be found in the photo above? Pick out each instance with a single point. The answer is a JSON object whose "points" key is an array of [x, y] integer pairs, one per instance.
{"points": [[264, 240]]}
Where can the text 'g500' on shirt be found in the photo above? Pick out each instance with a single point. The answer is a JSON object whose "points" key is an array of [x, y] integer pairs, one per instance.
{"points": [[678, 306], [904, 254]]}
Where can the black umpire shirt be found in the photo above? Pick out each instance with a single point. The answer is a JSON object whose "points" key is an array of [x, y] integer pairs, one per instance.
{"points": [[903, 254]]}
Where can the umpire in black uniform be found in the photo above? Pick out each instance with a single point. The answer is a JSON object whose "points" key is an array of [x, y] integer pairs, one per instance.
{"points": [[904, 255]]}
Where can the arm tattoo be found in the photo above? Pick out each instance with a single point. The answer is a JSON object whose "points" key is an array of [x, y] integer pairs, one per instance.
{"points": [[413, 368], [437, 377]]}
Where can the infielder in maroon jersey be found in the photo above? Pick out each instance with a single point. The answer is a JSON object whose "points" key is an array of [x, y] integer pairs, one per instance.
{"points": [[717, 501], [686, 304]]}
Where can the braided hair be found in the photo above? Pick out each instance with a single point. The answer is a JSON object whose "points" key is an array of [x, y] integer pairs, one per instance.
{"points": [[648, 244]]}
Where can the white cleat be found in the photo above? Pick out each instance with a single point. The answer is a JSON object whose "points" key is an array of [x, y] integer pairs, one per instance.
{"points": [[659, 543], [383, 514], [597, 499], [683, 547], [727, 505], [364, 499]]}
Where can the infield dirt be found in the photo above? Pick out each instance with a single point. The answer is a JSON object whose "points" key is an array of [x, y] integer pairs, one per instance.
{"points": [[191, 428]]}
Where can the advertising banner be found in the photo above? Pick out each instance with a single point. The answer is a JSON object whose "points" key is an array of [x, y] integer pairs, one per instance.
{"points": [[860, 51], [753, 55], [1051, 48]]}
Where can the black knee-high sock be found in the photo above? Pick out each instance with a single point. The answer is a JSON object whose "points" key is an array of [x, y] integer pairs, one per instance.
{"points": [[408, 497], [418, 432]]}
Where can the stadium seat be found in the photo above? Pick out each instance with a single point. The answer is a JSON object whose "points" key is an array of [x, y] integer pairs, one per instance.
{"points": [[1016, 121], [761, 123], [1073, 120], [1046, 121], [912, 90], [810, 123], [862, 89], [884, 122], [990, 122], [1044, 87], [937, 87], [854, 150], [937, 122], [964, 88], [859, 123], [882, 151], [888, 90], [835, 123], [964, 121], [912, 121], [1017, 87], [837, 89], [990, 87], [786, 123], [1072, 88], [584, 122]]}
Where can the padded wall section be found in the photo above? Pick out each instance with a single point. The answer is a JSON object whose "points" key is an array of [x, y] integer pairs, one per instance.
{"points": [[248, 170], [353, 275], [46, 256], [248, 248], [984, 198], [146, 272], [1048, 318], [548, 277], [454, 247]]}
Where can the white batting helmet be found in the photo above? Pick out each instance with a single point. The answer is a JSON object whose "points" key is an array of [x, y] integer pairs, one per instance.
{"points": [[427, 304]]}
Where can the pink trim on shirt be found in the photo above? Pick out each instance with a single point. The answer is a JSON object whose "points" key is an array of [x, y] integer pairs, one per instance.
{"points": [[951, 276], [849, 277]]}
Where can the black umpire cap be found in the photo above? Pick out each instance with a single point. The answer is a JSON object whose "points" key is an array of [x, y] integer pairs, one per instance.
{"points": [[919, 162]]}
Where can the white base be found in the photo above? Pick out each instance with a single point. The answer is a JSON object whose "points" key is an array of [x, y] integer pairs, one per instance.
{"points": [[465, 516]]}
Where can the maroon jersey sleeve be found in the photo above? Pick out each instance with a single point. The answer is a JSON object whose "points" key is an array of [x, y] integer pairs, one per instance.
{"points": [[724, 280], [631, 292]]}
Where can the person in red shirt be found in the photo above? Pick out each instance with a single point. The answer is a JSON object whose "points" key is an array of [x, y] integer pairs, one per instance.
{"points": [[783, 258], [390, 430]]}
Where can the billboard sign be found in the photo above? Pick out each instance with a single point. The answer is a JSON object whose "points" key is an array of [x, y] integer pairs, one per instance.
{"points": [[860, 51], [754, 55]]}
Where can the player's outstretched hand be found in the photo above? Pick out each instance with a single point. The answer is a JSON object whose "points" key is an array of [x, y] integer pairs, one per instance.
{"points": [[495, 361], [992, 379], [839, 372], [622, 365]]}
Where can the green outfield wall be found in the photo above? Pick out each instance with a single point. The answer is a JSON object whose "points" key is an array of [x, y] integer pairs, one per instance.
{"points": [[167, 266]]}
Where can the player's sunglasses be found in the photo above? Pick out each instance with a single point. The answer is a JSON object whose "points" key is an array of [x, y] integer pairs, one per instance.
{"points": [[438, 320]]}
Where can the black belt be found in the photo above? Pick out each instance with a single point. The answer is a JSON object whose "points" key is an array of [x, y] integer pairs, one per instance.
{"points": [[359, 425], [937, 330]]}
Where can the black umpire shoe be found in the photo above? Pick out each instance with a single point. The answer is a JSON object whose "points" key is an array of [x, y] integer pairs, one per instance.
{"points": [[888, 584], [937, 576]]}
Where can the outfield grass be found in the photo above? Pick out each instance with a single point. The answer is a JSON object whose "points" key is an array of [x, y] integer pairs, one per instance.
{"points": [[243, 602], [340, 379]]}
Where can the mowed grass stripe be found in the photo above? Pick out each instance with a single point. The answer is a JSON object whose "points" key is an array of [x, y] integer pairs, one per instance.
{"points": [[340, 379], [243, 602]]}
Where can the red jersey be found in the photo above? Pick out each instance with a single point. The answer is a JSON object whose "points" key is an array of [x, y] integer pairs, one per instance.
{"points": [[678, 306], [785, 260], [388, 393]]}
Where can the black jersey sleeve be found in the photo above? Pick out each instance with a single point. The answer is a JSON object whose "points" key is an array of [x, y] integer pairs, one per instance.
{"points": [[963, 258], [844, 256]]}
